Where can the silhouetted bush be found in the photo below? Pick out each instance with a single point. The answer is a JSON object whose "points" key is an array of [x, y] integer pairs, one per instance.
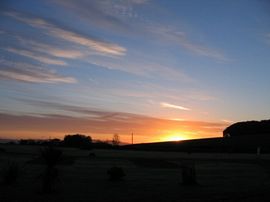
{"points": [[51, 157], [78, 141], [116, 173], [10, 173]]}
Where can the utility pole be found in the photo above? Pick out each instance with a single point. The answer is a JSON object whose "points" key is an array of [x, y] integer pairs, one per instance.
{"points": [[132, 138]]}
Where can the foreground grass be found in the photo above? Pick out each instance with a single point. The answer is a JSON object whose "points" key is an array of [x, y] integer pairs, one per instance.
{"points": [[150, 176]]}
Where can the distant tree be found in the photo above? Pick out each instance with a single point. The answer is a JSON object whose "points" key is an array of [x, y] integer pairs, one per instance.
{"points": [[78, 140], [116, 140]]}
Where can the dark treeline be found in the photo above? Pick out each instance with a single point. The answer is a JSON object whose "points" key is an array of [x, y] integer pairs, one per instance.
{"points": [[75, 140], [248, 128]]}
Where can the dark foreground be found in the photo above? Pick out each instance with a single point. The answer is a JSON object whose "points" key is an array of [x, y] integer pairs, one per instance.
{"points": [[150, 176]]}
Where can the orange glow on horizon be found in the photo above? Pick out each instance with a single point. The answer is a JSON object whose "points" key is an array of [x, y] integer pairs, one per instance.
{"points": [[145, 129]]}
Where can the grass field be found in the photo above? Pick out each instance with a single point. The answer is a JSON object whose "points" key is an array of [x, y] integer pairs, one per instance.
{"points": [[150, 176]]}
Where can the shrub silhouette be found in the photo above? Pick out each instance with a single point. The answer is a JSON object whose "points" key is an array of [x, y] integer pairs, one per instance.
{"points": [[78, 140], [51, 157], [116, 173], [10, 173]]}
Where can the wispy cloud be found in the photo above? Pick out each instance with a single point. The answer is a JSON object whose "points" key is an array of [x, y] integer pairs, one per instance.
{"points": [[116, 16], [53, 50], [141, 65], [100, 47], [28, 73], [168, 105], [227, 121], [180, 37], [107, 15], [37, 57], [134, 63]]}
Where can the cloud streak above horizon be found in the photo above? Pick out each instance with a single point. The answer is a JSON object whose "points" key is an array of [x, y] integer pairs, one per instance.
{"points": [[29, 73], [168, 105], [100, 47]]}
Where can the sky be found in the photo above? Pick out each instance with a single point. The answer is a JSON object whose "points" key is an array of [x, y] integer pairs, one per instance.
{"points": [[162, 70]]}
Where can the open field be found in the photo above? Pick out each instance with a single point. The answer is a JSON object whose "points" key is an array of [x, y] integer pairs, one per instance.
{"points": [[150, 176]]}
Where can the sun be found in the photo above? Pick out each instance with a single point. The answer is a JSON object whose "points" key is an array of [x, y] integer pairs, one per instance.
{"points": [[173, 137]]}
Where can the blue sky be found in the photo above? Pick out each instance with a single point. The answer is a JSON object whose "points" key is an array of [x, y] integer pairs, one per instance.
{"points": [[186, 61]]}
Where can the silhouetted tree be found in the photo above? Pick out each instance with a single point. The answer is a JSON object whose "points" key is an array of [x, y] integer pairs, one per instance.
{"points": [[116, 140], [78, 140]]}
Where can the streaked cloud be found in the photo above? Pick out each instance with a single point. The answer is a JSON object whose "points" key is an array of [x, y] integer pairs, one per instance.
{"points": [[180, 37], [28, 73], [141, 65], [116, 16], [100, 47], [53, 50], [134, 63], [227, 121], [168, 105], [106, 15], [37, 57]]}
